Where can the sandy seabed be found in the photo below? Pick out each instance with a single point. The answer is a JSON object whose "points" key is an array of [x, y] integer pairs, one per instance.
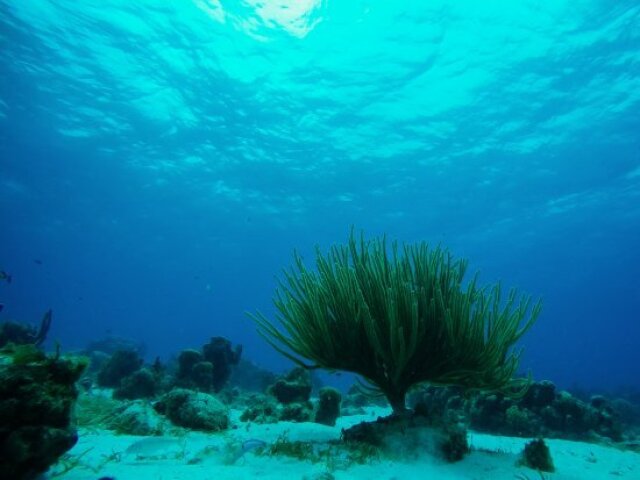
{"points": [[221, 456]]}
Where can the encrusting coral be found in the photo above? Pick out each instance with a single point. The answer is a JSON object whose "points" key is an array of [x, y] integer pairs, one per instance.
{"points": [[399, 317], [210, 370]]}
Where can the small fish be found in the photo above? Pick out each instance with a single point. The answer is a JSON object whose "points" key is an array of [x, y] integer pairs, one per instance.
{"points": [[151, 446], [37, 261], [1, 306], [5, 276]]}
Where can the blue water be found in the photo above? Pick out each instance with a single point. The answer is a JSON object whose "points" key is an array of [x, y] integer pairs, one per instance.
{"points": [[159, 161]]}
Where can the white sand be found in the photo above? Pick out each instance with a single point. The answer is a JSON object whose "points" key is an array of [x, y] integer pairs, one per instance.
{"points": [[219, 456]]}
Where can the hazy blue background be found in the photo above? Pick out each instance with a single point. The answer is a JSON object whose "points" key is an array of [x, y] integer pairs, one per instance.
{"points": [[163, 159]]}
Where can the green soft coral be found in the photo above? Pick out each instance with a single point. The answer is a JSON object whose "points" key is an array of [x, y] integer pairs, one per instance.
{"points": [[399, 317]]}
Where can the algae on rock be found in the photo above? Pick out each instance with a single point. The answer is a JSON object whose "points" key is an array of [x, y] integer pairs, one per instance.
{"points": [[37, 393]]}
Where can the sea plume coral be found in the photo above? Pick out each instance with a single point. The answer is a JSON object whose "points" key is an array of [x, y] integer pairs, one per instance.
{"points": [[398, 317]]}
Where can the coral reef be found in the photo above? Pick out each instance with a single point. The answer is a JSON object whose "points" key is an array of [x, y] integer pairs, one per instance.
{"points": [[209, 370], [411, 435], [125, 373], [455, 443], [536, 455], [143, 383], [295, 386], [135, 418], [220, 354], [202, 376], [194, 410], [186, 361], [292, 393], [542, 411], [328, 406], [120, 365], [261, 409], [296, 412], [37, 393]]}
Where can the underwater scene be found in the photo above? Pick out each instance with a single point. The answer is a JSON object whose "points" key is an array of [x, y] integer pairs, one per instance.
{"points": [[319, 239]]}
